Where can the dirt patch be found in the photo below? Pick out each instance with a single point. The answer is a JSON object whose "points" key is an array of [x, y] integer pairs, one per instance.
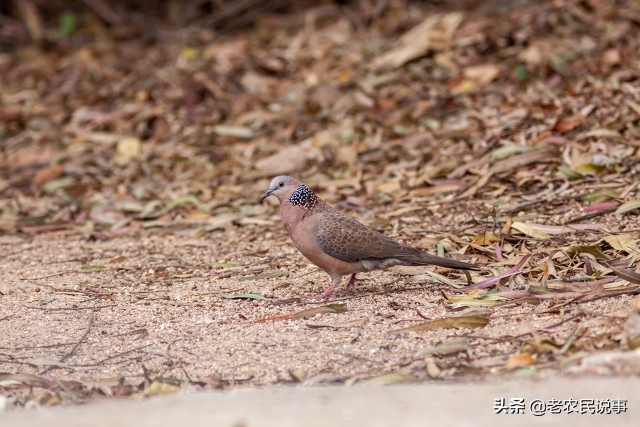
{"points": [[131, 311]]}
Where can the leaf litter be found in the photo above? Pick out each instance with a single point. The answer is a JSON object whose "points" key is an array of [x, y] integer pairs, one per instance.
{"points": [[510, 139]]}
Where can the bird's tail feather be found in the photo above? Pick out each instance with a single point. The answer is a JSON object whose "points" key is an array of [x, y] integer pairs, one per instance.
{"points": [[428, 259]]}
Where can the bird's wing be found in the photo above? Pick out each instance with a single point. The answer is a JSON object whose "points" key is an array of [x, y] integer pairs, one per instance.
{"points": [[348, 240]]}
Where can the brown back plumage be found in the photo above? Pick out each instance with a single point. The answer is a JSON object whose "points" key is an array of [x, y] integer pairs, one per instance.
{"points": [[348, 240]]}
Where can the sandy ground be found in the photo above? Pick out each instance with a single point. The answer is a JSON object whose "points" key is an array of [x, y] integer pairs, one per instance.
{"points": [[149, 307]]}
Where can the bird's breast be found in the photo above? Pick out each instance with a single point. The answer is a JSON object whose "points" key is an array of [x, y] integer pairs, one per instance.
{"points": [[302, 227]]}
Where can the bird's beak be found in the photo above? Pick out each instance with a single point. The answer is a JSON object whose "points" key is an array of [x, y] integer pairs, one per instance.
{"points": [[267, 194]]}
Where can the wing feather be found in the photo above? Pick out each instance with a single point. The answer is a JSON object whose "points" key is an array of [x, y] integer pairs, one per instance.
{"points": [[348, 240]]}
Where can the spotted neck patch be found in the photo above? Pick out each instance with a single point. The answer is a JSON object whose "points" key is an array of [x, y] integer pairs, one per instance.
{"points": [[304, 198]]}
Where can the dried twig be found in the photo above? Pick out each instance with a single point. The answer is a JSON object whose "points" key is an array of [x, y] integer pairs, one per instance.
{"points": [[76, 345]]}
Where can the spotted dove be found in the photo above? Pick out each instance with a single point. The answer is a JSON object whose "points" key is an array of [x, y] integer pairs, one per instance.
{"points": [[338, 244]]}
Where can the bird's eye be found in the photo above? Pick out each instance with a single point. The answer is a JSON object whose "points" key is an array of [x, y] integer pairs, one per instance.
{"points": [[281, 184]]}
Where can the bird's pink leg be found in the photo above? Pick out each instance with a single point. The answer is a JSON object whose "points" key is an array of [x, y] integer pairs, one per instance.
{"points": [[352, 282], [324, 295], [327, 292]]}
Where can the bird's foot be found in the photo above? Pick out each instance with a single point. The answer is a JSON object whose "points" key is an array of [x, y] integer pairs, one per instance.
{"points": [[323, 295], [351, 286]]}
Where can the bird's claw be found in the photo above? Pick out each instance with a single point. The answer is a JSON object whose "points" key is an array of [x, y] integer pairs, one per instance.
{"points": [[323, 295]]}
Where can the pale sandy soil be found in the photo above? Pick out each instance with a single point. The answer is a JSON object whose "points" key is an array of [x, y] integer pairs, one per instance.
{"points": [[155, 307]]}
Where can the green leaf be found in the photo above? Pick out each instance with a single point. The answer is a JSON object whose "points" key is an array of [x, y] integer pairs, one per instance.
{"points": [[68, 23], [569, 173], [628, 206], [220, 264], [329, 308], [525, 372], [508, 150], [152, 224], [599, 195], [92, 267], [58, 184], [48, 299], [588, 249], [130, 206], [588, 168], [489, 293], [162, 386], [338, 308], [190, 53], [521, 72]]}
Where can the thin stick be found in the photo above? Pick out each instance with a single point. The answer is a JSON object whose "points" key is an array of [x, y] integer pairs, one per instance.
{"points": [[95, 307], [76, 345]]}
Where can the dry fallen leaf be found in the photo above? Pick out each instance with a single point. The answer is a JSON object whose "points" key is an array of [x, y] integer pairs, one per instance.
{"points": [[450, 322], [622, 242], [520, 360], [529, 230], [632, 326], [288, 161], [390, 378], [127, 150], [435, 32]]}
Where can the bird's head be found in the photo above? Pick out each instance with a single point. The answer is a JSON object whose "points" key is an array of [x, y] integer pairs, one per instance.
{"points": [[282, 187]]}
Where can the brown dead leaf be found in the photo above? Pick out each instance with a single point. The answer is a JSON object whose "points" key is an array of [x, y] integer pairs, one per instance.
{"points": [[475, 77], [520, 360], [450, 322], [434, 33], [127, 150], [529, 230], [626, 274], [330, 308], [47, 174], [632, 326], [486, 238], [568, 123], [288, 161]]}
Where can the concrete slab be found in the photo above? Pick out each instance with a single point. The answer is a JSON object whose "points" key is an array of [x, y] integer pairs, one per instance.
{"points": [[400, 405]]}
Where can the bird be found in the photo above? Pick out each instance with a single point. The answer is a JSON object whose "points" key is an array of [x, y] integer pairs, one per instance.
{"points": [[339, 244]]}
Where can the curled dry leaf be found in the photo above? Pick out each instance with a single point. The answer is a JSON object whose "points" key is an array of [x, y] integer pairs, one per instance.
{"points": [[329, 308], [520, 360], [622, 242], [628, 206], [493, 280], [450, 322]]}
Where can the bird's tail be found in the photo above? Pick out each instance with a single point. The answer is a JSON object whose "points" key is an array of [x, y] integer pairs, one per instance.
{"points": [[427, 259]]}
